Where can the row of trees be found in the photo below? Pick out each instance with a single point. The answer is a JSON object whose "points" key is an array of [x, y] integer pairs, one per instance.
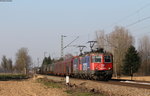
{"points": [[22, 63], [6, 64], [144, 51], [118, 42], [47, 60]]}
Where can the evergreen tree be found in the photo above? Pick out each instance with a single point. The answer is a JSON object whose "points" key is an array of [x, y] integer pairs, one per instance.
{"points": [[49, 60], [132, 61], [44, 61]]}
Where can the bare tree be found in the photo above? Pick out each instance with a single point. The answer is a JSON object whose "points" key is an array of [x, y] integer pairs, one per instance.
{"points": [[144, 50], [116, 42], [23, 61], [4, 63], [120, 40], [103, 40], [100, 38]]}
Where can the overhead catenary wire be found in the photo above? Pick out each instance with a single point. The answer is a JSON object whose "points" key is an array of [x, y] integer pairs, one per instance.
{"points": [[138, 21], [128, 16], [144, 27], [147, 5], [71, 42]]}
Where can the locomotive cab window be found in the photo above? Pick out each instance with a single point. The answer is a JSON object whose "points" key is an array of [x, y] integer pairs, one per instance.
{"points": [[96, 59], [107, 59]]}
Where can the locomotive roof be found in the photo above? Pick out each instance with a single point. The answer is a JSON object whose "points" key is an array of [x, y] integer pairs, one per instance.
{"points": [[92, 53]]}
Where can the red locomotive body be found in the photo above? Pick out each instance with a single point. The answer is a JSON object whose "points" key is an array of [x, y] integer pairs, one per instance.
{"points": [[93, 66]]}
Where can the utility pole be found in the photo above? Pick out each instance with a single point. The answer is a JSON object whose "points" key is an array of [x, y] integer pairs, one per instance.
{"points": [[62, 45]]}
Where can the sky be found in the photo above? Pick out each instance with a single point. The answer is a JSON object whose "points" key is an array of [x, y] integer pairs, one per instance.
{"points": [[39, 24]]}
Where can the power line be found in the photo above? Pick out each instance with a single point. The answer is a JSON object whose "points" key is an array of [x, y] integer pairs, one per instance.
{"points": [[143, 19], [71, 42], [134, 13], [143, 7], [144, 27]]}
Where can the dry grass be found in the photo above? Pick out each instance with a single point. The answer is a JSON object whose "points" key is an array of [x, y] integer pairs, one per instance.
{"points": [[28, 88]]}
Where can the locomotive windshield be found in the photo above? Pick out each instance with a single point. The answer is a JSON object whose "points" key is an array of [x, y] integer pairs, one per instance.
{"points": [[107, 59], [96, 58]]}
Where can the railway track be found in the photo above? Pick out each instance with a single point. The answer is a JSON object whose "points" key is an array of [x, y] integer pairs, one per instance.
{"points": [[129, 83], [137, 84]]}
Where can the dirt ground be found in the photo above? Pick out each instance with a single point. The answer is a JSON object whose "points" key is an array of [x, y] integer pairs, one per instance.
{"points": [[28, 88]]}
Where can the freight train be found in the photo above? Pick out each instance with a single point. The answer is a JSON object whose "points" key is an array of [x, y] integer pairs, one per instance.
{"points": [[92, 65]]}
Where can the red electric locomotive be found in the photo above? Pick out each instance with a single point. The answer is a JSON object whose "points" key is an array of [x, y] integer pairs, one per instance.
{"points": [[93, 66]]}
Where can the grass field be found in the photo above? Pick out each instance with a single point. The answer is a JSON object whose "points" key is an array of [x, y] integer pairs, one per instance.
{"points": [[49, 84], [8, 76]]}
